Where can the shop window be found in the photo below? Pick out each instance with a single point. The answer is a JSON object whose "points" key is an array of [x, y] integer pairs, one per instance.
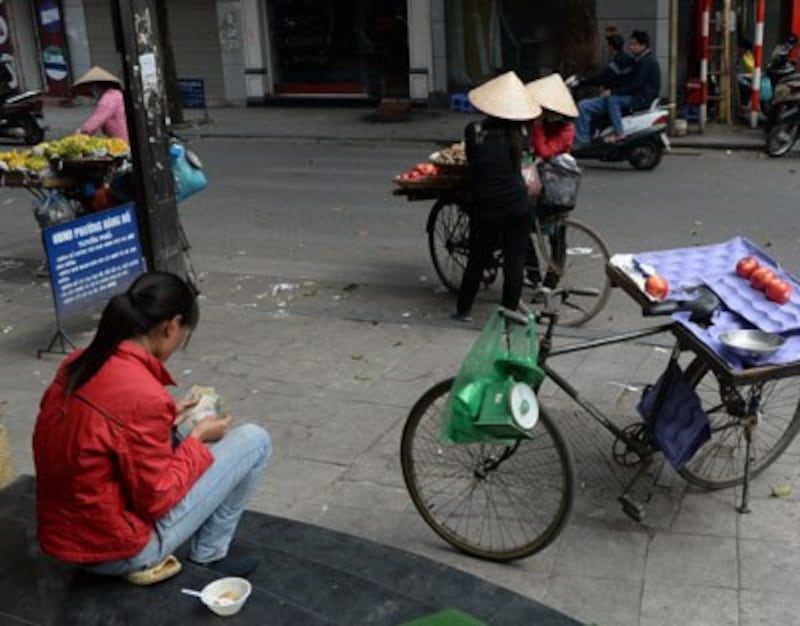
{"points": [[485, 37], [353, 48]]}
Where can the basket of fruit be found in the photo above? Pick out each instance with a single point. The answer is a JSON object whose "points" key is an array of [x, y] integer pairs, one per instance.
{"points": [[426, 175], [83, 155], [19, 166], [452, 160]]}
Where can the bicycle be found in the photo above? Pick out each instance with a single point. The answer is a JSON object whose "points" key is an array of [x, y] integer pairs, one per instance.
{"points": [[569, 253], [508, 500]]}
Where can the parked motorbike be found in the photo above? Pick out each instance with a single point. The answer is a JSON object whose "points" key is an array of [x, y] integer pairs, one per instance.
{"points": [[21, 117], [784, 134], [780, 85], [644, 138]]}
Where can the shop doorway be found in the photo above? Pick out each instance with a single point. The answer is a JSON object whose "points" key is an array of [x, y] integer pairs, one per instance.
{"points": [[350, 48], [485, 37]]}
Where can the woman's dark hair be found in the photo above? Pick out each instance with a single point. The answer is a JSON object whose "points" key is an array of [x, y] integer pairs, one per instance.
{"points": [[616, 42], [642, 37], [153, 298]]}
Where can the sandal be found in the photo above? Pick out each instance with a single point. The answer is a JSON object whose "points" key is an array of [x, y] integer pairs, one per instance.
{"points": [[168, 568]]}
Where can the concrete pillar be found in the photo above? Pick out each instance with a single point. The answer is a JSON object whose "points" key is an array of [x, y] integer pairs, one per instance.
{"points": [[77, 37], [257, 81], [231, 40], [661, 38], [420, 49], [439, 27], [7, 473]]}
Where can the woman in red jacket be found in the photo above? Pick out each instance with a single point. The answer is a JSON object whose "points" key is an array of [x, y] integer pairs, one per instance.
{"points": [[552, 134], [114, 491]]}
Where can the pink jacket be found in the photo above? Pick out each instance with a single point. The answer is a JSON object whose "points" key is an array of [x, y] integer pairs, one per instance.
{"points": [[108, 116]]}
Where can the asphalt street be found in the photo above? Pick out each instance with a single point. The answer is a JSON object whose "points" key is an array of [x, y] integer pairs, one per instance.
{"points": [[322, 318], [323, 211]]}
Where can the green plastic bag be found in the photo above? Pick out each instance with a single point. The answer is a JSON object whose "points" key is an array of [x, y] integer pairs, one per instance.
{"points": [[504, 352]]}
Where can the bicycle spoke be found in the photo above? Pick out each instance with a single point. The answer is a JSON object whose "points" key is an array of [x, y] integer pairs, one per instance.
{"points": [[720, 462], [489, 500]]}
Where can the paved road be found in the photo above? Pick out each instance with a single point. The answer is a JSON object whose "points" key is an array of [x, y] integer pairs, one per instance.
{"points": [[323, 319], [323, 210]]}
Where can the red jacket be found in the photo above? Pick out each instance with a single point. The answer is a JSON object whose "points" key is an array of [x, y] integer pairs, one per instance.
{"points": [[105, 466], [549, 140]]}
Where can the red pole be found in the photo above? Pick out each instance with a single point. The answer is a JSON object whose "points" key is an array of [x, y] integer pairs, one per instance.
{"points": [[705, 19], [796, 21], [758, 56]]}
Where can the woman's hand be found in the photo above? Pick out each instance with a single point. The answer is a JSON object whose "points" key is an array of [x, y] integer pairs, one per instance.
{"points": [[212, 428], [182, 406]]}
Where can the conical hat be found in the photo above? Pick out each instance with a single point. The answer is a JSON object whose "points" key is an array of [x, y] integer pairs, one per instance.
{"points": [[553, 94], [505, 97], [96, 75]]}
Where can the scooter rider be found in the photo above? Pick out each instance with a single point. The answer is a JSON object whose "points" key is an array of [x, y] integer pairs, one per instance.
{"points": [[634, 91], [620, 65]]}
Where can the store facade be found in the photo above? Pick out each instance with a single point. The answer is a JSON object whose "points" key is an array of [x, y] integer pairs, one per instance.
{"points": [[247, 51], [33, 45]]}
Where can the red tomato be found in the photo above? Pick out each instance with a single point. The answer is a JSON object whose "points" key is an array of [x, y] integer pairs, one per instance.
{"points": [[778, 291], [746, 266], [760, 278], [657, 286]]}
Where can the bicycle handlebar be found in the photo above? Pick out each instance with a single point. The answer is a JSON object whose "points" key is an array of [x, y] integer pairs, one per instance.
{"points": [[513, 316], [702, 306], [662, 308]]}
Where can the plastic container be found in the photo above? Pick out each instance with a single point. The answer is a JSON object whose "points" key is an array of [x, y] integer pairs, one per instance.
{"points": [[226, 596]]}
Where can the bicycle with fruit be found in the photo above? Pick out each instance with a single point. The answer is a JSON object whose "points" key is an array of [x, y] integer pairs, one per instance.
{"points": [[487, 466], [567, 252]]}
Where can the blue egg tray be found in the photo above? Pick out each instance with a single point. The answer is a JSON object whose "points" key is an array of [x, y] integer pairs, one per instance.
{"points": [[715, 267], [745, 307]]}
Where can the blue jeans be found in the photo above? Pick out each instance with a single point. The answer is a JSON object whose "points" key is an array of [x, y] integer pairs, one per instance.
{"points": [[595, 107], [210, 511], [615, 106]]}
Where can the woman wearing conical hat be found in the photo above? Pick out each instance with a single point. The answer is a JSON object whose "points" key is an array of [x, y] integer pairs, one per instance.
{"points": [[554, 132], [109, 112], [501, 207]]}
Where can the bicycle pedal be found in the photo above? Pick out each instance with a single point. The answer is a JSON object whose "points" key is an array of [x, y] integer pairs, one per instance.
{"points": [[632, 509]]}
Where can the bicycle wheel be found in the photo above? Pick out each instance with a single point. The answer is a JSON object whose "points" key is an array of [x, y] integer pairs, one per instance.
{"points": [[578, 260], [719, 463], [491, 501], [448, 242]]}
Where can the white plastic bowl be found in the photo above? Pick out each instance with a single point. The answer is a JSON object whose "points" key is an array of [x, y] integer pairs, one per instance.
{"points": [[226, 596]]}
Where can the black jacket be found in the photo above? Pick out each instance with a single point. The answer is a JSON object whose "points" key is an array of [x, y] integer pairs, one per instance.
{"points": [[618, 70], [493, 152], [645, 82]]}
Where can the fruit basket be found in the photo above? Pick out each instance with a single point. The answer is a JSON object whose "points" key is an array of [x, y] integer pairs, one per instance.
{"points": [[452, 160], [428, 182], [428, 176]]}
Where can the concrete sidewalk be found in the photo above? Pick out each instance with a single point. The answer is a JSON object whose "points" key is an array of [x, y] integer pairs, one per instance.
{"points": [[326, 123]]}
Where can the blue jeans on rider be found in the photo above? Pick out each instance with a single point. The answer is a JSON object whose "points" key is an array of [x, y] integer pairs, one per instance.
{"points": [[615, 106], [592, 108]]}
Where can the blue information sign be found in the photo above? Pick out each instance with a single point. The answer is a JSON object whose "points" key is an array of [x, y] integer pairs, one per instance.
{"points": [[192, 93], [92, 258]]}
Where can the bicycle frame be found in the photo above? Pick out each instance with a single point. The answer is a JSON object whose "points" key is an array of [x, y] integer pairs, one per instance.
{"points": [[546, 351]]}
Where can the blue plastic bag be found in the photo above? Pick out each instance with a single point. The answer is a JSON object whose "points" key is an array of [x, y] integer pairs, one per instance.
{"points": [[187, 171]]}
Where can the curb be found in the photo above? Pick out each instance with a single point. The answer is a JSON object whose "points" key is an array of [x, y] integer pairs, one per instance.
{"points": [[7, 473], [321, 138], [698, 145], [733, 145]]}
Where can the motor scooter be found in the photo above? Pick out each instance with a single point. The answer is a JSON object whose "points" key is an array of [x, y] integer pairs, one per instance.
{"points": [[783, 136], [21, 117], [644, 139], [780, 85]]}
